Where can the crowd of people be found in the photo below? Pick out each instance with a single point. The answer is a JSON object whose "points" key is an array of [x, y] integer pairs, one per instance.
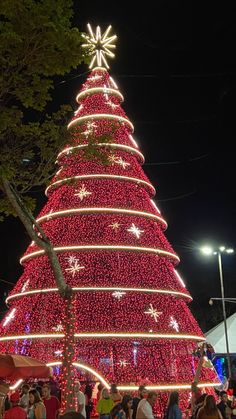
{"points": [[39, 403]]}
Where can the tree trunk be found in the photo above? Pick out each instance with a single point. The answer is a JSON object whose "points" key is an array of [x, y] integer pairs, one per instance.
{"points": [[68, 385], [37, 234]]}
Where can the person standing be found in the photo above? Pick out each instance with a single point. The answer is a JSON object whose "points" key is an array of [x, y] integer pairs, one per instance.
{"points": [[142, 394], [114, 394], [37, 409], [80, 399], [104, 405], [173, 411], [88, 401], [24, 400], [15, 411], [223, 405], [145, 406], [209, 409], [52, 403]]}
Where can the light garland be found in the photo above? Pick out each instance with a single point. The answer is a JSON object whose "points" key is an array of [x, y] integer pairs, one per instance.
{"points": [[93, 90], [101, 176], [109, 116], [106, 289], [74, 211], [102, 247], [107, 145], [106, 336]]}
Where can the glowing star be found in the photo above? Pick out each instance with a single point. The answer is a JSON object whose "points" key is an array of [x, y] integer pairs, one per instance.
{"points": [[10, 316], [112, 158], [118, 294], [74, 268], [123, 363], [99, 46], [58, 353], [58, 328], [122, 163], [174, 324], [135, 230], [49, 216], [111, 104], [115, 226], [82, 193], [72, 259], [25, 285], [105, 92], [153, 312], [94, 78]]}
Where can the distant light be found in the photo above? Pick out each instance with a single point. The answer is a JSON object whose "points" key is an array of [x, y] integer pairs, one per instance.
{"points": [[222, 248], [211, 302], [207, 250], [229, 250]]}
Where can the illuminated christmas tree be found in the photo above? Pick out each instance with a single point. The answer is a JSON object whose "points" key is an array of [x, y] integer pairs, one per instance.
{"points": [[133, 321]]}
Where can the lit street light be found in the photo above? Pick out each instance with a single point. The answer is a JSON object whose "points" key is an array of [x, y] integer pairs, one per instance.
{"points": [[209, 251]]}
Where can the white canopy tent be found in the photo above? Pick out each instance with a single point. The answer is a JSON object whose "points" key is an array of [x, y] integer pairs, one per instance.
{"points": [[216, 336]]}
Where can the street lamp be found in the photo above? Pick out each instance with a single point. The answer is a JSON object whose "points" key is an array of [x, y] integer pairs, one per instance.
{"points": [[209, 251]]}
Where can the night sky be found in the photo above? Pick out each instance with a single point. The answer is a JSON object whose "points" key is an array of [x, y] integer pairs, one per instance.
{"points": [[175, 67]]}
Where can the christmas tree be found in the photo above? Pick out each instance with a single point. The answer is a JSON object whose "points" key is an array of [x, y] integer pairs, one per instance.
{"points": [[133, 322]]}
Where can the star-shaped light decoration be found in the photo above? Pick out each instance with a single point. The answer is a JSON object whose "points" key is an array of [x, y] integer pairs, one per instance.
{"points": [[118, 294], [153, 312], [72, 259], [122, 163], [111, 104], [123, 363], [174, 324], [58, 352], [58, 328], [135, 230], [82, 193], [115, 226], [10, 316], [73, 269], [49, 216], [25, 285], [95, 77], [99, 46]]}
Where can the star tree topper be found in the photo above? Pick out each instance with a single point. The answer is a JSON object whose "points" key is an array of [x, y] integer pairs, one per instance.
{"points": [[100, 46]]}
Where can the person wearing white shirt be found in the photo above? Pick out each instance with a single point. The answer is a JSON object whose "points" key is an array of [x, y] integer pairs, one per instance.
{"points": [[80, 399], [145, 406]]}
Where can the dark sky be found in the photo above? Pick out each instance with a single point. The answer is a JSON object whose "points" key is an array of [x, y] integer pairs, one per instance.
{"points": [[175, 66]]}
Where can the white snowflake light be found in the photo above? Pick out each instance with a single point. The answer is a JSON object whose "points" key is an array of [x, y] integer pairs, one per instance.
{"points": [[49, 216], [114, 226], [73, 269], [123, 363], [122, 163], [58, 353], [153, 312], [94, 78], [111, 104], [71, 259], [58, 328], [100, 46], [118, 294], [25, 285], [10, 316], [174, 324], [135, 230], [82, 193]]}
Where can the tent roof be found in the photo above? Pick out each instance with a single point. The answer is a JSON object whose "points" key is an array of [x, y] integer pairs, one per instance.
{"points": [[216, 336]]}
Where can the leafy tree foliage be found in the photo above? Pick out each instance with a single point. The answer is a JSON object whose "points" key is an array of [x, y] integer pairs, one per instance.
{"points": [[37, 42]]}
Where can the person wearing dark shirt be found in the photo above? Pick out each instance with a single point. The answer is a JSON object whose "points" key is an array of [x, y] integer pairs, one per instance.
{"points": [[52, 403], [223, 404], [142, 394]]}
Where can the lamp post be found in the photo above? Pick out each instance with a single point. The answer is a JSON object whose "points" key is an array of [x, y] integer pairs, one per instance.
{"points": [[209, 251]]}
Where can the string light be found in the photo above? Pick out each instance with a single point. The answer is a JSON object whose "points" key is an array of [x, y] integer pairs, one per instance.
{"points": [[130, 302]]}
